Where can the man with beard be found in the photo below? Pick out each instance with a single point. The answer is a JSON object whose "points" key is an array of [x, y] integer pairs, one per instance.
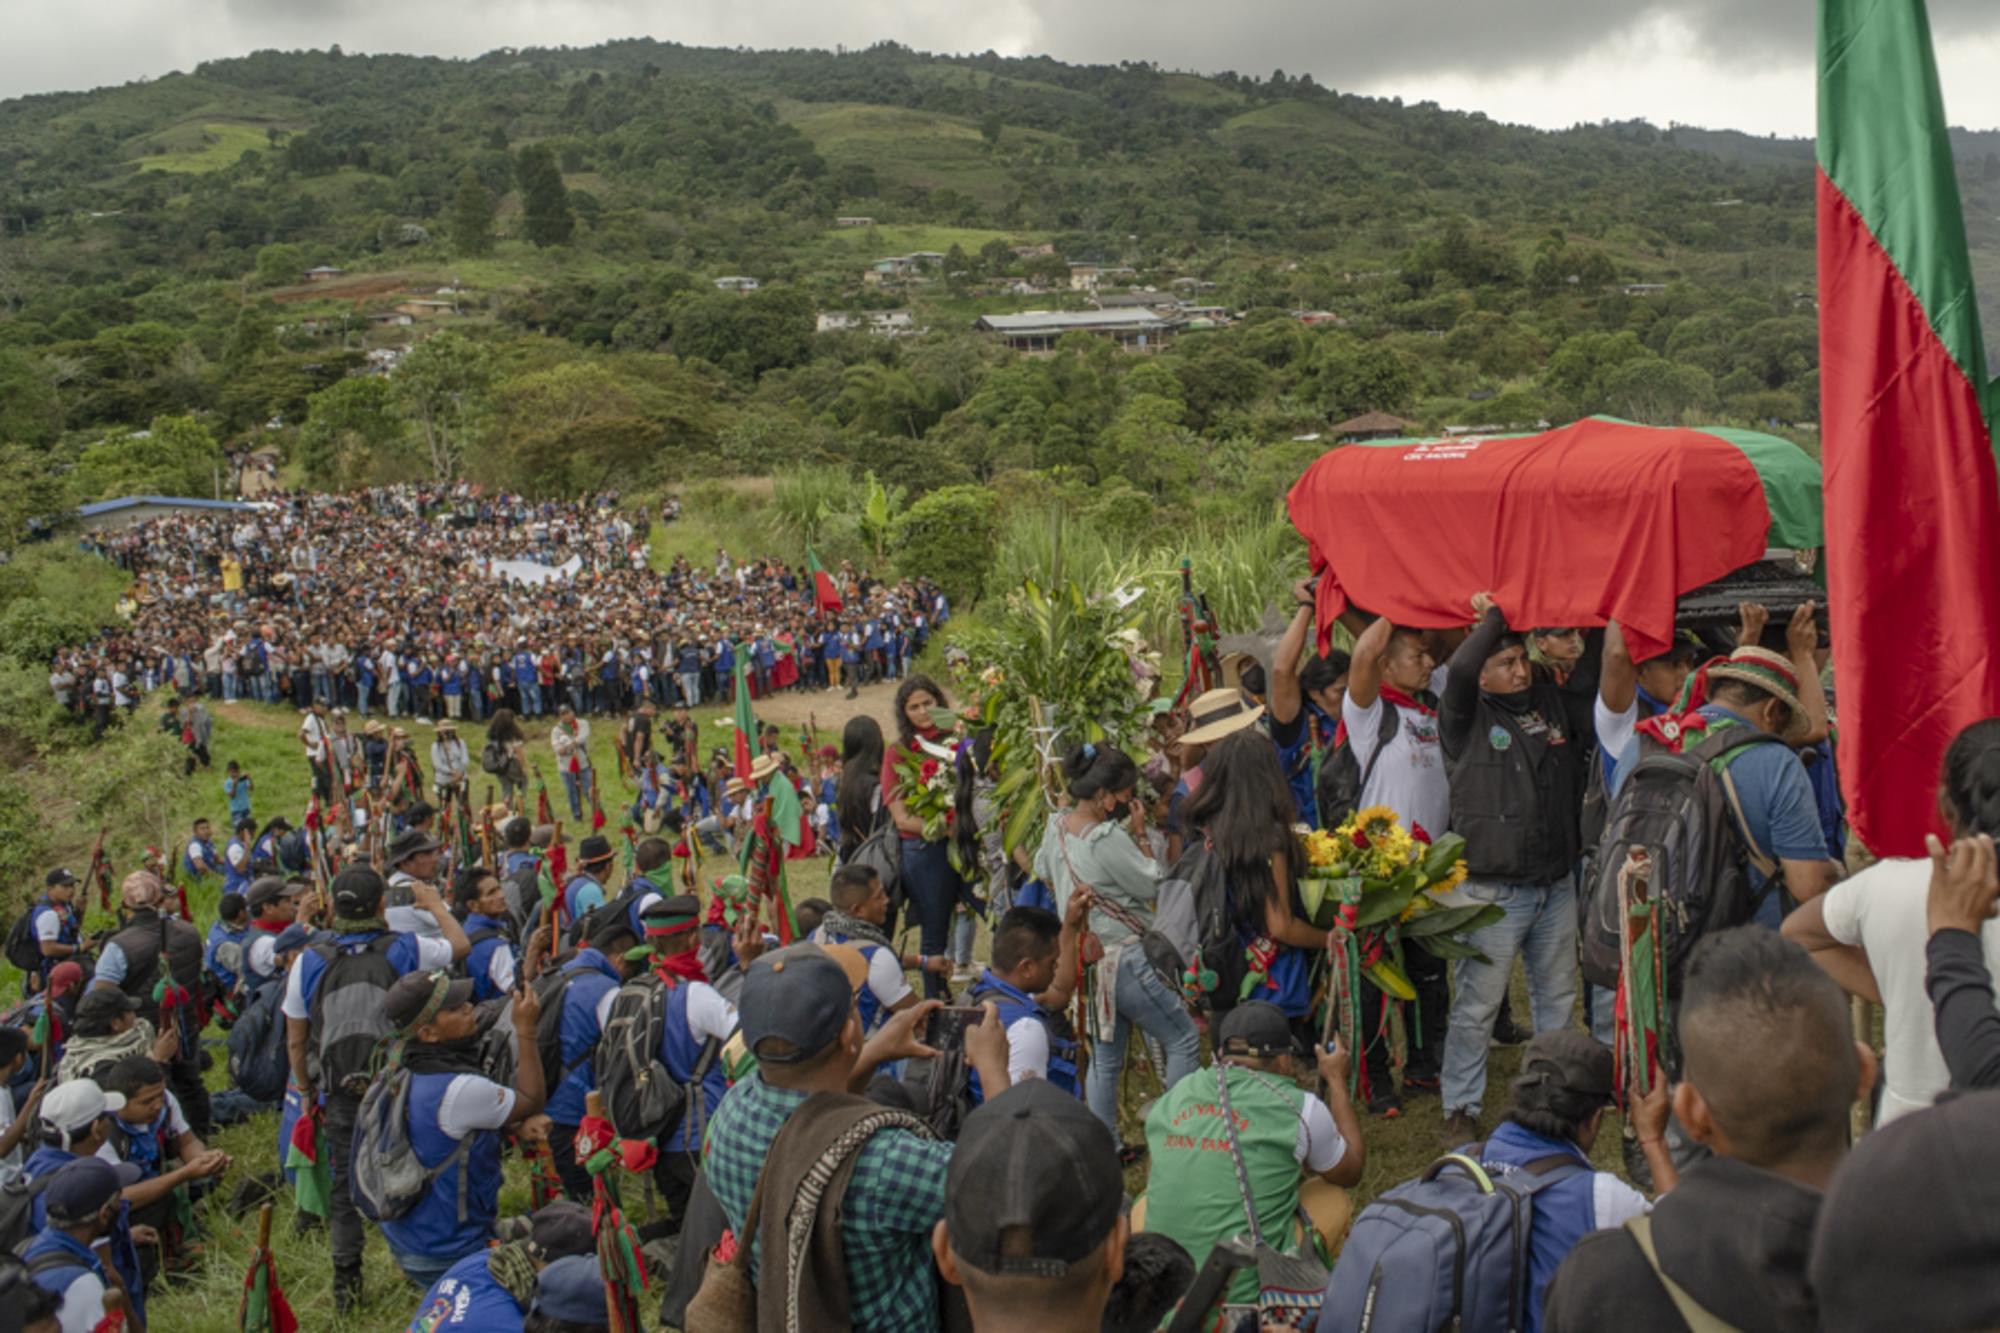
{"points": [[456, 1116]]}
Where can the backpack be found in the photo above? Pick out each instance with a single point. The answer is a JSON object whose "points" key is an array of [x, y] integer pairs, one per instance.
{"points": [[388, 1179], [1446, 1250], [259, 1063], [524, 894], [17, 1210], [23, 949], [493, 757], [1682, 810], [1193, 929], [882, 852], [348, 1017], [640, 1094], [1341, 777]]}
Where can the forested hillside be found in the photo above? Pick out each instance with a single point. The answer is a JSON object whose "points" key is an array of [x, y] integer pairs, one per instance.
{"points": [[527, 246]]}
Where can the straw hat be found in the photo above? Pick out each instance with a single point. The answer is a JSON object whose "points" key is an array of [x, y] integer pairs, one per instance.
{"points": [[764, 766], [1217, 714], [1774, 674]]}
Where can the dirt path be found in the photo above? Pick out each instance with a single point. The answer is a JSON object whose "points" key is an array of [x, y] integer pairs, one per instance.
{"points": [[830, 708]]}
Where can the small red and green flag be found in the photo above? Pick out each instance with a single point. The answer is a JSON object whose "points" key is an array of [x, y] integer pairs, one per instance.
{"points": [[306, 1159], [1906, 422], [264, 1308], [746, 720], [825, 593]]}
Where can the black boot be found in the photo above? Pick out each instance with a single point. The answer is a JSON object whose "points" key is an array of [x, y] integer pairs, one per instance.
{"points": [[346, 1290]]}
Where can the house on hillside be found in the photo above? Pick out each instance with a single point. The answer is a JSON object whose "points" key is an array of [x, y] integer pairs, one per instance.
{"points": [[1134, 301], [1038, 331], [1033, 251], [392, 319], [736, 283], [1083, 275], [1316, 317], [891, 269], [854, 222], [324, 273], [423, 308], [1372, 426], [1643, 288], [884, 323]]}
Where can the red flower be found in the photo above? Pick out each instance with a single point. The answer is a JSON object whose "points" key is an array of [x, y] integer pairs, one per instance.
{"points": [[1361, 839], [928, 770]]}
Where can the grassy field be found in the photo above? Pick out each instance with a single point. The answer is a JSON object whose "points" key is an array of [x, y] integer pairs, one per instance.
{"points": [[201, 147], [906, 147]]}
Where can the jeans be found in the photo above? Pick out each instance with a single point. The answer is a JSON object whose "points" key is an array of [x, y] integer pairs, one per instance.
{"points": [[349, 1236], [395, 702], [531, 698], [1540, 928], [962, 932], [1144, 999], [1604, 1015], [322, 686], [421, 1269], [230, 687], [578, 786], [932, 888], [691, 688]]}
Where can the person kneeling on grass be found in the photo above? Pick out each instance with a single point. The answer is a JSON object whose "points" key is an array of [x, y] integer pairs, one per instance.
{"points": [[1193, 1195], [492, 1290], [151, 1132], [450, 1102]]}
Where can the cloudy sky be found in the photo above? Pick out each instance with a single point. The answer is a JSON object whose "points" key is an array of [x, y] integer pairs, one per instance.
{"points": [[1744, 64]]}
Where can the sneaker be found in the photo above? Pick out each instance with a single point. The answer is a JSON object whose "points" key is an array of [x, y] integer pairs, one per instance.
{"points": [[346, 1290], [963, 974], [1420, 1085], [1460, 1129], [1506, 1032], [1387, 1105]]}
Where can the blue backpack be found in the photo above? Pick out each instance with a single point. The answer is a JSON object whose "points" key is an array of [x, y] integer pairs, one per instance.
{"points": [[1446, 1250]]}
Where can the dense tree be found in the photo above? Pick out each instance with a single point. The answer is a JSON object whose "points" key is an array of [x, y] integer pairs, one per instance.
{"points": [[472, 219], [173, 456], [442, 386], [949, 533], [348, 427], [545, 213]]}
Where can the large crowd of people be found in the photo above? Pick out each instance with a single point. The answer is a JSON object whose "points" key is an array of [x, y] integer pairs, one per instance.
{"points": [[835, 1130]]}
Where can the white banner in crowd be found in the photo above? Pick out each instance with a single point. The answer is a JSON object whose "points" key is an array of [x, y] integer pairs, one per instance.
{"points": [[533, 572]]}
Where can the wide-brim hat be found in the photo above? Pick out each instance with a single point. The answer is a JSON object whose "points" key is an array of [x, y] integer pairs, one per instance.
{"points": [[764, 766], [1217, 714], [1774, 674]]}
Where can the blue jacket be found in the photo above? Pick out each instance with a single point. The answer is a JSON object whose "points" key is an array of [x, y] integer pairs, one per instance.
{"points": [[680, 1052], [1564, 1214], [480, 960], [525, 670], [442, 1225], [1015, 1004], [218, 935], [468, 1297], [596, 978]]}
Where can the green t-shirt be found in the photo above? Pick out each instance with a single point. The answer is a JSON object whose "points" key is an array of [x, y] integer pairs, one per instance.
{"points": [[1192, 1195]]}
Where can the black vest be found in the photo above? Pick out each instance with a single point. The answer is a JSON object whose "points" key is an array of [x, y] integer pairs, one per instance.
{"points": [[1515, 794], [146, 938]]}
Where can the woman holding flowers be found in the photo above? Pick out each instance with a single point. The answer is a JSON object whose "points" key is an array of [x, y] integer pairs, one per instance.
{"points": [[1100, 844], [1244, 810], [931, 883]]}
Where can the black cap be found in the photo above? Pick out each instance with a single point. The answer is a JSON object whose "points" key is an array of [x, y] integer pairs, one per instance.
{"points": [[267, 889], [80, 1188], [357, 892], [1256, 1027], [59, 876], [561, 1229], [593, 849], [1923, 1193], [418, 998], [1033, 1159], [409, 843], [572, 1291], [801, 995], [101, 1004], [1573, 1061]]}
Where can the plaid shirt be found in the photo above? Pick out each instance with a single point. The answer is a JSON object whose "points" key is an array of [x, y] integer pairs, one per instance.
{"points": [[894, 1199]]}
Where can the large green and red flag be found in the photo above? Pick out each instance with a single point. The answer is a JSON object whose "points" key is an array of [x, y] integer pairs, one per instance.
{"points": [[1906, 416], [746, 720], [826, 595]]}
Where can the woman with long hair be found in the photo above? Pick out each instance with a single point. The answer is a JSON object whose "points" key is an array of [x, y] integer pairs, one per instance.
{"points": [[931, 884], [857, 796], [505, 731], [1244, 811], [1099, 844]]}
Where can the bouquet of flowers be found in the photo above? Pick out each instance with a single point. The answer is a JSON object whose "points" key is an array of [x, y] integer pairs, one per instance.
{"points": [[1376, 888], [927, 780]]}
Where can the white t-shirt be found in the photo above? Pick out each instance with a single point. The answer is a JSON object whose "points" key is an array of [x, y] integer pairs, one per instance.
{"points": [[1318, 1146], [886, 979], [48, 925], [708, 1014], [312, 732], [411, 920], [237, 855], [177, 1124], [1614, 730], [1410, 779], [260, 956], [1884, 910], [82, 1304], [472, 1103]]}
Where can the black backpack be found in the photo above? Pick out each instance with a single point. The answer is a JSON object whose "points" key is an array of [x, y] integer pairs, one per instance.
{"points": [[1683, 812], [23, 949], [493, 758], [640, 1094], [17, 1210], [1341, 777], [1193, 913], [259, 1062], [348, 1013], [524, 895]]}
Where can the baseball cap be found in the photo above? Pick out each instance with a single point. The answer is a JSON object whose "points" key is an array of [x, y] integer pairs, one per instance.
{"points": [[561, 1229], [268, 889], [101, 1004], [1925, 1189], [74, 1106], [59, 876], [357, 892], [572, 1290], [1034, 1183], [1258, 1028], [801, 995], [418, 998], [1574, 1061], [79, 1189]]}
